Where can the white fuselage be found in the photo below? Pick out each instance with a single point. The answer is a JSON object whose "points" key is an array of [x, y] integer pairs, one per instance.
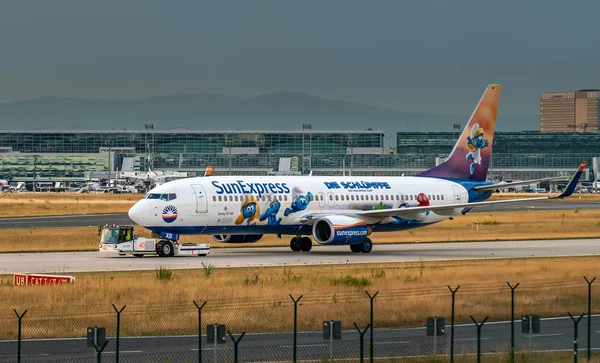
{"points": [[262, 205]]}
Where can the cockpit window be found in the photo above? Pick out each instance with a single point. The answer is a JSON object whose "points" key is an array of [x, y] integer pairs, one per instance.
{"points": [[164, 197]]}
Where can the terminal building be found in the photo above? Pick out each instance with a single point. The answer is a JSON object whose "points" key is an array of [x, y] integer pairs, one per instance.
{"points": [[59, 154]]}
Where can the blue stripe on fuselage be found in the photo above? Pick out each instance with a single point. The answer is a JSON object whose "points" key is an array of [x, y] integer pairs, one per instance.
{"points": [[293, 229]]}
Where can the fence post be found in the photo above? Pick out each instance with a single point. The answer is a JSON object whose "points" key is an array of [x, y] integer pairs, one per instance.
{"points": [[478, 335], [118, 328], [452, 324], [362, 341], [200, 329], [20, 317], [99, 351], [589, 325], [295, 324], [575, 323], [512, 320], [235, 345], [372, 324]]}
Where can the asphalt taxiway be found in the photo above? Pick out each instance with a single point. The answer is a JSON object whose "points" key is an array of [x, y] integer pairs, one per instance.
{"points": [[66, 262], [93, 220]]}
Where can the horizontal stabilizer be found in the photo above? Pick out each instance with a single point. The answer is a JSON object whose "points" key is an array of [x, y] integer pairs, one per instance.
{"points": [[483, 188]]}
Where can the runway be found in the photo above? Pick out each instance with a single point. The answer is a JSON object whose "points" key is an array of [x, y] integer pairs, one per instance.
{"points": [[67, 262], [556, 335], [123, 219]]}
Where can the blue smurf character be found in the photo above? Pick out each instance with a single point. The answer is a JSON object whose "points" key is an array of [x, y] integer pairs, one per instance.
{"points": [[271, 213], [399, 220], [299, 204], [249, 211], [475, 143]]}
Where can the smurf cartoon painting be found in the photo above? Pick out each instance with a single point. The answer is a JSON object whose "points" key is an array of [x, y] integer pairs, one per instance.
{"points": [[249, 211], [271, 213], [475, 143], [299, 203]]}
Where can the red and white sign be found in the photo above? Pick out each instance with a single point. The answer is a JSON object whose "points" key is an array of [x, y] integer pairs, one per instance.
{"points": [[36, 279]]}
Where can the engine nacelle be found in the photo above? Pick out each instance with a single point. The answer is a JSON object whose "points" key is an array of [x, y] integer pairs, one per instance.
{"points": [[237, 238], [340, 230]]}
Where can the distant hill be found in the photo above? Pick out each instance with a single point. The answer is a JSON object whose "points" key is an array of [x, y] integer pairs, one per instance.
{"points": [[273, 111]]}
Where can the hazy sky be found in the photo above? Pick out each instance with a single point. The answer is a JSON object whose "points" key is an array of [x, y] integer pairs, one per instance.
{"points": [[397, 54]]}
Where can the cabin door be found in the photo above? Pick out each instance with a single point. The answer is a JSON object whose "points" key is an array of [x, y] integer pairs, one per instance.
{"points": [[201, 200]]}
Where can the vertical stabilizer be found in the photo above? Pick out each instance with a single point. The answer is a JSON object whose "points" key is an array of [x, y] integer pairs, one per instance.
{"points": [[472, 153]]}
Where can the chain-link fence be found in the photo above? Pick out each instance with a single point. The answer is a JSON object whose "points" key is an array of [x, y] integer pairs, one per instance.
{"points": [[362, 326]]}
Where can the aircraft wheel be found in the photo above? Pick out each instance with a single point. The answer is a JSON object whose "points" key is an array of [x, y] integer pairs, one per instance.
{"points": [[366, 246], [294, 244], [356, 248], [305, 244]]}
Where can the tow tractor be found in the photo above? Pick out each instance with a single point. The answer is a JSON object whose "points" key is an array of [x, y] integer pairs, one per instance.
{"points": [[121, 240]]}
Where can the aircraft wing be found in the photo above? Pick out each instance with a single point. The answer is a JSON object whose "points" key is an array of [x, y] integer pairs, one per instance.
{"points": [[514, 184], [450, 209]]}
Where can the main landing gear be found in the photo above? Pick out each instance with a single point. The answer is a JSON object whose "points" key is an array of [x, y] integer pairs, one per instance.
{"points": [[365, 247], [299, 243]]}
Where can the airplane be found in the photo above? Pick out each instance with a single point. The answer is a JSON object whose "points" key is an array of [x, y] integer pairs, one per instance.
{"points": [[151, 175], [335, 210]]}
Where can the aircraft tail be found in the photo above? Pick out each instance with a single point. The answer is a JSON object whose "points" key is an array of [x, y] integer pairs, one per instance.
{"points": [[208, 171], [472, 153]]}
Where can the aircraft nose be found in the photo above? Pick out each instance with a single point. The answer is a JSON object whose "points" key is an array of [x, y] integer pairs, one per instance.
{"points": [[139, 212]]}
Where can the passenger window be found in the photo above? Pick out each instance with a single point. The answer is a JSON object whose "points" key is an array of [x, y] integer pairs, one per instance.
{"points": [[236, 198], [285, 197], [220, 199], [411, 197], [214, 198], [442, 197], [231, 198], [336, 197], [330, 197]]}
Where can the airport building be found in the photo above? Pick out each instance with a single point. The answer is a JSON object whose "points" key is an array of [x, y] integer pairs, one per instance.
{"points": [[570, 111], [76, 153]]}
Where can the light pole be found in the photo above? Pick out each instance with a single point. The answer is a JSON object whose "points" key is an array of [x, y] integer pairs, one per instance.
{"points": [[109, 144], [351, 144], [229, 144]]}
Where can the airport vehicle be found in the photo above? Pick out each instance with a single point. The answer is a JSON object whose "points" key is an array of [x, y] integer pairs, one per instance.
{"points": [[336, 210], [122, 240]]}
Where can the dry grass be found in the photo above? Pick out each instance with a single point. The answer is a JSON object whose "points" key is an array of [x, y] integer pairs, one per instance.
{"points": [[46, 204], [492, 226], [256, 299]]}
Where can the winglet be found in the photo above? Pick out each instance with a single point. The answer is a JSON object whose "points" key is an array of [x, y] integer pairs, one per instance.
{"points": [[572, 183], [208, 171]]}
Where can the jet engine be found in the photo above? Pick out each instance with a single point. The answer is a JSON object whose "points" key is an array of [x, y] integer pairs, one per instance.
{"points": [[237, 238], [340, 230]]}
